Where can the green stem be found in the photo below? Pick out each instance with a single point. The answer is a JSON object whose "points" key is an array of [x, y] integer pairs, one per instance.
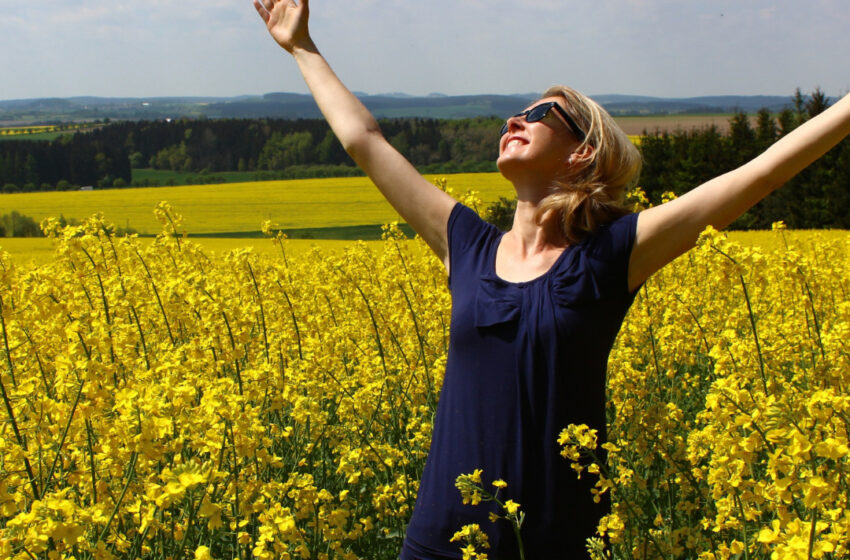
{"points": [[262, 311], [421, 340], [19, 438], [131, 472], [10, 410], [752, 320], [651, 333], [62, 440], [743, 526], [755, 333], [519, 541], [294, 320], [6, 346], [91, 462], [233, 346], [40, 364], [141, 336], [173, 230], [813, 533], [156, 294]]}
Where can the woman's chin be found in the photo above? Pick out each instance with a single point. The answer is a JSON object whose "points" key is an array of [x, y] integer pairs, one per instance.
{"points": [[512, 168], [506, 164]]}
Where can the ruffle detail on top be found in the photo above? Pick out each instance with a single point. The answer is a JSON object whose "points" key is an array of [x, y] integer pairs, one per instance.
{"points": [[497, 301], [570, 282]]}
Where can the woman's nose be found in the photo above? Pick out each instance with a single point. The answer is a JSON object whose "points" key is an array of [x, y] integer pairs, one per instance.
{"points": [[515, 122]]}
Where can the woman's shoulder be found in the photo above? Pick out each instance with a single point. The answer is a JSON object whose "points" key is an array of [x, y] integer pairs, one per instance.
{"points": [[613, 239], [599, 267], [465, 226]]}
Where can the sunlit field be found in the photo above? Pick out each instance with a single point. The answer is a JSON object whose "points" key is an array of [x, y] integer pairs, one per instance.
{"points": [[41, 251], [40, 132], [635, 126], [24, 130], [169, 399], [241, 207]]}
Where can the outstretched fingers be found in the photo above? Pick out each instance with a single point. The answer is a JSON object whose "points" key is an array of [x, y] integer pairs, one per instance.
{"points": [[262, 10], [286, 20]]}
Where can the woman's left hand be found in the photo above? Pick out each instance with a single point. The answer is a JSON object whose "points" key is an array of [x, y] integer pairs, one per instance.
{"points": [[286, 21]]}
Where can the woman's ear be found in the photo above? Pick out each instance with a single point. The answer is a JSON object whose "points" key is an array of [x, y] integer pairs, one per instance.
{"points": [[581, 156]]}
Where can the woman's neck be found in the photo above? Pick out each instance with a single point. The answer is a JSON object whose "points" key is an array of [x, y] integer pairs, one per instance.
{"points": [[530, 248], [527, 232]]}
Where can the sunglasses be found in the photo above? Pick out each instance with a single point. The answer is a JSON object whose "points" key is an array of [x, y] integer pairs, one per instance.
{"points": [[538, 112]]}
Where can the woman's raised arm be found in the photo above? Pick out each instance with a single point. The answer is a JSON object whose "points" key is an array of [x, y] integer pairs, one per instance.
{"points": [[420, 203], [666, 231]]}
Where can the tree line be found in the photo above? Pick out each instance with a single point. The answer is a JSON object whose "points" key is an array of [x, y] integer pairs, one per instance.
{"points": [[70, 161], [104, 158], [673, 161], [819, 197]]}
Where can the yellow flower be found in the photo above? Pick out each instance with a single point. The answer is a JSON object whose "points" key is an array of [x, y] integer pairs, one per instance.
{"points": [[511, 506]]}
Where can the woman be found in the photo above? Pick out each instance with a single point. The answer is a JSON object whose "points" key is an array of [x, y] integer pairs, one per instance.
{"points": [[535, 310]]}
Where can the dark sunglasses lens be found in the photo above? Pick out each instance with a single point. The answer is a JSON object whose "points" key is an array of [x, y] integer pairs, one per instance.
{"points": [[538, 113], [505, 126]]}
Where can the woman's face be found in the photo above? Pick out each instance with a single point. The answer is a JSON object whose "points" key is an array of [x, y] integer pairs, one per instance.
{"points": [[541, 147]]}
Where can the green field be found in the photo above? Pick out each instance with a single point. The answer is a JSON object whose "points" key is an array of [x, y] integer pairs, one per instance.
{"points": [[168, 177], [238, 209]]}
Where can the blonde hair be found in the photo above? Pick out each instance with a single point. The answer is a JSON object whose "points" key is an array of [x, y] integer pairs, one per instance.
{"points": [[592, 191]]}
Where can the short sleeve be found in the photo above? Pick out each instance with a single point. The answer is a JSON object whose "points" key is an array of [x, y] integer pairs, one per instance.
{"points": [[467, 233], [608, 251]]}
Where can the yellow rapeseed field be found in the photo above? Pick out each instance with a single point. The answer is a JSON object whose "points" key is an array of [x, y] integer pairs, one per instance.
{"points": [[35, 251], [39, 250], [241, 207], [21, 130], [159, 403]]}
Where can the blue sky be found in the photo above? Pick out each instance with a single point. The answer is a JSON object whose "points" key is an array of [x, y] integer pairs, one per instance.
{"points": [[669, 48]]}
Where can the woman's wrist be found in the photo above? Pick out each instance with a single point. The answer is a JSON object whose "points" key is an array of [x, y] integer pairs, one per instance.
{"points": [[304, 47]]}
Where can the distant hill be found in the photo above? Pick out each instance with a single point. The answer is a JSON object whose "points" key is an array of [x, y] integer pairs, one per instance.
{"points": [[296, 105], [636, 105]]}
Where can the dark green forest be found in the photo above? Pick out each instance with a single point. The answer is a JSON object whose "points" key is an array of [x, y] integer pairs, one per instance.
{"points": [[272, 148], [276, 148], [819, 197]]}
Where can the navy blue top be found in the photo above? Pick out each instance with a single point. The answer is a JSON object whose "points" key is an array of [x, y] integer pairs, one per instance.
{"points": [[525, 359]]}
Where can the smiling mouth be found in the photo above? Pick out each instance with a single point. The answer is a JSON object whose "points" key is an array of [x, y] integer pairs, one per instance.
{"points": [[515, 141]]}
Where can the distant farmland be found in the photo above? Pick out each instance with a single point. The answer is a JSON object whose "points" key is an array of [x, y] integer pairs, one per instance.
{"points": [[238, 209], [650, 123]]}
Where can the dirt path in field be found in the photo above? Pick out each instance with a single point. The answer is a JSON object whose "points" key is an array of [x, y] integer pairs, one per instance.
{"points": [[637, 125]]}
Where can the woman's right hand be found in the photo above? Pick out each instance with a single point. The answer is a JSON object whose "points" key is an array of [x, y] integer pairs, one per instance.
{"points": [[286, 21]]}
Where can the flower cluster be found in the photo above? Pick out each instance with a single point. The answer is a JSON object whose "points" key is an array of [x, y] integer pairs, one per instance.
{"points": [[473, 493], [475, 540]]}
